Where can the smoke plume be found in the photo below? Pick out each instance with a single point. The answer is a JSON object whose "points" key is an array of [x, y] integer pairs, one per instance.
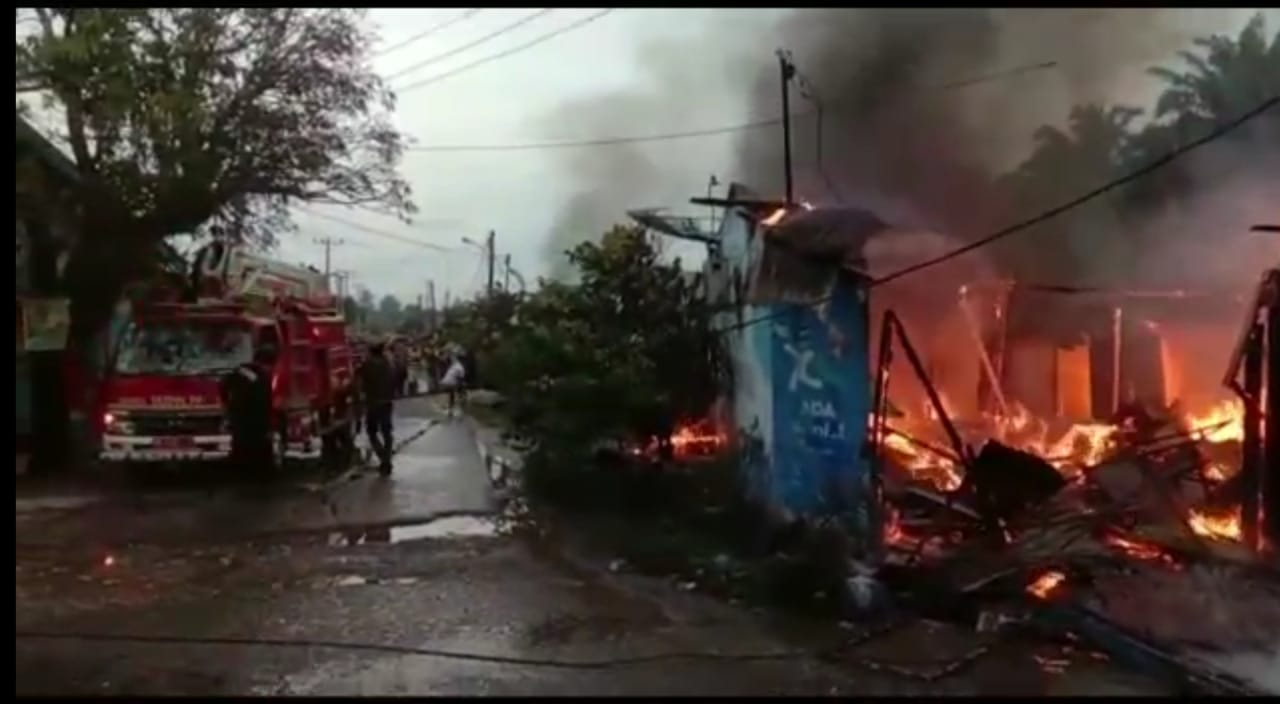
{"points": [[914, 114]]}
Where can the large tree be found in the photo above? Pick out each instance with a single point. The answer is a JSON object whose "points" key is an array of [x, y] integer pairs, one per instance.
{"points": [[1063, 164], [1224, 78], [1220, 79], [206, 120]]}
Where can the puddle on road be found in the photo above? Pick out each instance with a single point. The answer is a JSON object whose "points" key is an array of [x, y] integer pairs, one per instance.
{"points": [[452, 527], [456, 527]]}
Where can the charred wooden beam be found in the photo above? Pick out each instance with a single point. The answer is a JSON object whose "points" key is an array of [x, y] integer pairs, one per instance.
{"points": [[1251, 464], [1271, 431], [1132, 650]]}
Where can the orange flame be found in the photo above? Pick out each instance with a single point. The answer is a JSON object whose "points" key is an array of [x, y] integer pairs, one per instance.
{"points": [[1139, 550], [1224, 525], [1045, 584], [1224, 422], [939, 471], [774, 218], [893, 532]]}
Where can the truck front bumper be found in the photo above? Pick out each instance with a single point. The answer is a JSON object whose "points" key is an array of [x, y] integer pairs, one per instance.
{"points": [[137, 448]]}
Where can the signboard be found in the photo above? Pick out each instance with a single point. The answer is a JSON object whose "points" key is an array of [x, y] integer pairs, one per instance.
{"points": [[44, 324]]}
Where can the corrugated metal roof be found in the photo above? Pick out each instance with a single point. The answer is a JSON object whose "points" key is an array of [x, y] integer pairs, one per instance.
{"points": [[807, 250], [836, 235]]}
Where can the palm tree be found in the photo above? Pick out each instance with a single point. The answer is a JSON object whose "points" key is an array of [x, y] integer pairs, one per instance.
{"points": [[1223, 78], [1226, 78], [1063, 164]]}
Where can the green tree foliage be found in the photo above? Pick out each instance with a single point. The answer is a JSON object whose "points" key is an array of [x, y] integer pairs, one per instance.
{"points": [[1064, 163], [213, 120], [624, 354], [1222, 78], [1226, 78]]}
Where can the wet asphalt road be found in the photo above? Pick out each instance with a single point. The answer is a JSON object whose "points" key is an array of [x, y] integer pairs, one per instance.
{"points": [[311, 562], [353, 559]]}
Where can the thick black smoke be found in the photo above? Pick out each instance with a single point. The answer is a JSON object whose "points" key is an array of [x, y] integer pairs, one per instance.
{"points": [[923, 108], [921, 111]]}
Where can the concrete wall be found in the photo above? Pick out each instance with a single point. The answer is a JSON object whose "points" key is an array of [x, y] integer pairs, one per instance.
{"points": [[801, 390]]}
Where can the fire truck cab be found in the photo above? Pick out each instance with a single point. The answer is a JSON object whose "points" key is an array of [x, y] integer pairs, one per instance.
{"points": [[162, 400]]}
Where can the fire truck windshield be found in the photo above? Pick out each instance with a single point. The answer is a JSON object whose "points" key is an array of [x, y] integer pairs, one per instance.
{"points": [[183, 347]]}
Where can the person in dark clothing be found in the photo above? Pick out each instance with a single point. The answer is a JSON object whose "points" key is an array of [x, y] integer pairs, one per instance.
{"points": [[246, 396], [377, 387]]}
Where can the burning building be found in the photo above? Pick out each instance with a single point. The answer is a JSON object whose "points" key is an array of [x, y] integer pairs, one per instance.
{"points": [[795, 314]]}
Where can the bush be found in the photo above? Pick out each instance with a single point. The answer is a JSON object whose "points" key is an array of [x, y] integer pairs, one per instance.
{"points": [[618, 358]]}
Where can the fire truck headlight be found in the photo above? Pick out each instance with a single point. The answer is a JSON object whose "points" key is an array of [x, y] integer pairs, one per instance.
{"points": [[117, 424]]}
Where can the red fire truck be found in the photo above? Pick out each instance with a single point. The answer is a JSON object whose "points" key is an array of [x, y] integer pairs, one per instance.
{"points": [[162, 402]]}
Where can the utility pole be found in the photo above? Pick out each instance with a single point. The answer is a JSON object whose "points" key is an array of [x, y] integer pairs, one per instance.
{"points": [[506, 279], [431, 304], [492, 256], [328, 243], [711, 210], [788, 72]]}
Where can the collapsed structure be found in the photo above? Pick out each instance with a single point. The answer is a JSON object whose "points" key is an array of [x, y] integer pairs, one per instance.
{"points": [[1068, 445]]}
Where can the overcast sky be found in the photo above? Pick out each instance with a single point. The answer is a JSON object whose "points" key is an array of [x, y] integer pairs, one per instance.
{"points": [[511, 100], [630, 72]]}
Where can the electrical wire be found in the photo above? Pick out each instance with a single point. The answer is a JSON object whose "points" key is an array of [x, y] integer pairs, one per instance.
{"points": [[602, 141], [598, 664], [1160, 162], [1215, 134], [433, 29], [503, 54], [381, 233], [709, 131], [472, 44]]}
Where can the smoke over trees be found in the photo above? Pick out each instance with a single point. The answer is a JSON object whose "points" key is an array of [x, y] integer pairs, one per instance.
{"points": [[923, 114], [961, 121]]}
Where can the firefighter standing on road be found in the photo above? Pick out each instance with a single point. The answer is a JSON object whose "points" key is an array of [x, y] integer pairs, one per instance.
{"points": [[246, 395], [377, 388]]}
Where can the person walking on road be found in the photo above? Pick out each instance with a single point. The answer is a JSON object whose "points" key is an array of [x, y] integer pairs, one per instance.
{"points": [[454, 381], [377, 386], [246, 396]]}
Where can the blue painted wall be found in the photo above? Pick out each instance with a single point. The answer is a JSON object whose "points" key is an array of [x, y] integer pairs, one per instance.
{"points": [[801, 390]]}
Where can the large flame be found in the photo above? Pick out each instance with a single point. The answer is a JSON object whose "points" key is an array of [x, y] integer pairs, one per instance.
{"points": [[1080, 446], [1223, 422]]}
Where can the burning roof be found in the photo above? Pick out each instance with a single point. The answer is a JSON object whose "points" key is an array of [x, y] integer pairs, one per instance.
{"points": [[806, 249]]}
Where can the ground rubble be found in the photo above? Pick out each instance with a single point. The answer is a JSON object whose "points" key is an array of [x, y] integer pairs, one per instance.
{"points": [[1020, 556], [1135, 558]]}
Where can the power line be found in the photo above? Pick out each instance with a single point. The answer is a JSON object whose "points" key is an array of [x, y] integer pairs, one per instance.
{"points": [[439, 26], [710, 131], [1220, 131], [1217, 133], [595, 664], [474, 43], [602, 141], [381, 233], [503, 54]]}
